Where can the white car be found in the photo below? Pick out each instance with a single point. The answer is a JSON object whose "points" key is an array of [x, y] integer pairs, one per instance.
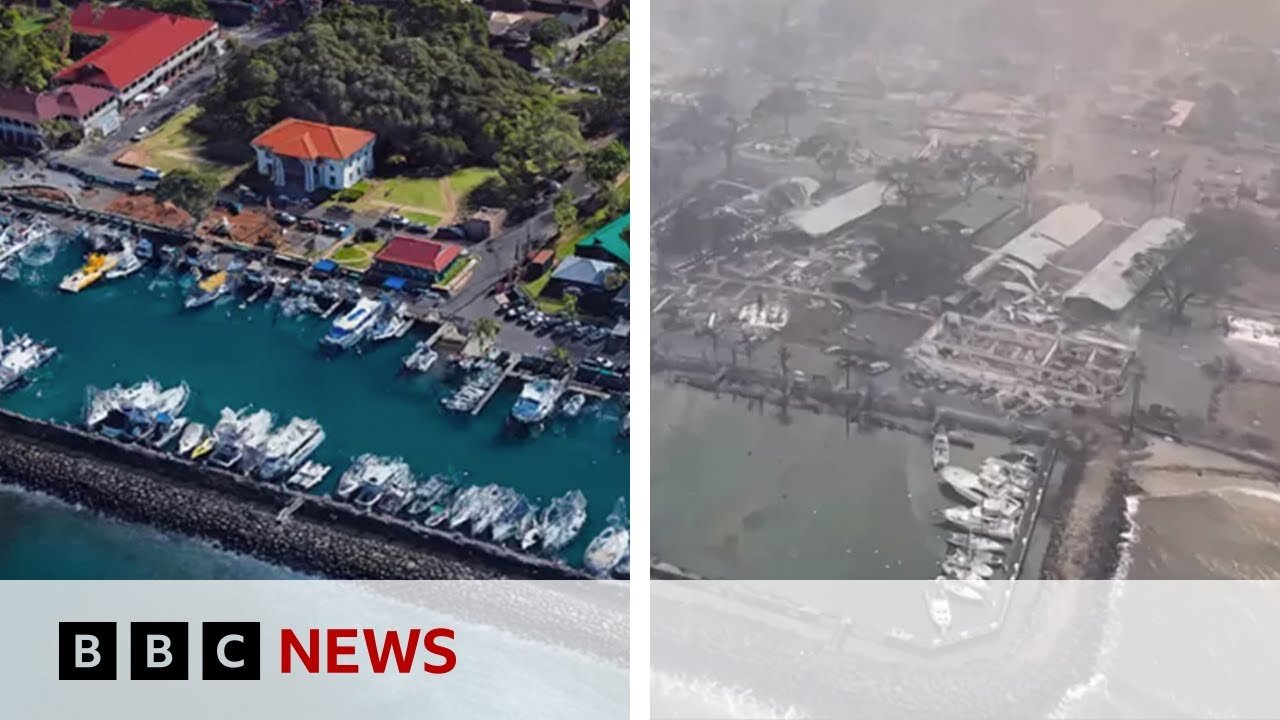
{"points": [[141, 133]]}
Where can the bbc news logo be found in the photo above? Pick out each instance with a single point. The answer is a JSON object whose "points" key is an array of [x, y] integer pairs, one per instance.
{"points": [[233, 651]]}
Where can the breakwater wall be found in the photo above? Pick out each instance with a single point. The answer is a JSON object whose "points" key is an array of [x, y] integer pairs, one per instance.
{"points": [[322, 536]]}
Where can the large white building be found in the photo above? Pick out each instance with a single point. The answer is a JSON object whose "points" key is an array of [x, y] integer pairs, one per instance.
{"points": [[303, 156]]}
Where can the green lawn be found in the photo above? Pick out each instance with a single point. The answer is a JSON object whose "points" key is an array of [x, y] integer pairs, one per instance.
{"points": [[418, 192], [357, 256], [421, 217], [175, 145], [468, 179]]}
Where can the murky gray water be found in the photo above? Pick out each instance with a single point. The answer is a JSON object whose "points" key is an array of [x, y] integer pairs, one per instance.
{"points": [[738, 492]]}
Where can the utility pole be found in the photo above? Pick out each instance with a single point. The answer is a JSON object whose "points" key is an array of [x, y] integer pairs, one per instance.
{"points": [[1133, 406]]}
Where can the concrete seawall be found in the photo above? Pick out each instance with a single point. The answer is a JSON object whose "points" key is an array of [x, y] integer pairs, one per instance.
{"points": [[322, 536]]}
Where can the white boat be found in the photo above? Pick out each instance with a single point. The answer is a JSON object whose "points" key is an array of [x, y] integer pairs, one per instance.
{"points": [[168, 430], [1002, 507], [19, 358], [191, 437], [422, 358], [624, 425], [607, 549], [208, 290], [15, 239], [170, 402], [975, 542], [289, 447], [939, 608], [537, 400], [465, 505], [126, 265], [573, 406], [967, 484], [974, 520], [530, 531], [309, 475], [941, 449], [236, 436], [563, 520], [354, 325], [144, 395], [393, 324]]}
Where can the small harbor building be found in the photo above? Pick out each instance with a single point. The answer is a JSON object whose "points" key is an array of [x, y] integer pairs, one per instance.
{"points": [[301, 156], [594, 282], [608, 243], [413, 263], [25, 115], [1032, 249], [841, 211]]}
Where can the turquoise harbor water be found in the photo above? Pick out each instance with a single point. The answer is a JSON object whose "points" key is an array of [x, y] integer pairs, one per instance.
{"points": [[131, 329]]}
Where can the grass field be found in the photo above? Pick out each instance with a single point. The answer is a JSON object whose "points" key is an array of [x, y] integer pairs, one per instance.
{"points": [[414, 192], [175, 145], [357, 256], [426, 200], [468, 179], [421, 217]]}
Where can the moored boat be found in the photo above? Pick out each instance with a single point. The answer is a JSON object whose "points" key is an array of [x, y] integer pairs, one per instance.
{"points": [[606, 549], [354, 325], [941, 449], [208, 290], [309, 475], [93, 270]]}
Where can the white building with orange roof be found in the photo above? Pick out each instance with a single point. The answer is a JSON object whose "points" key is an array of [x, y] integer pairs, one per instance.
{"points": [[304, 156]]}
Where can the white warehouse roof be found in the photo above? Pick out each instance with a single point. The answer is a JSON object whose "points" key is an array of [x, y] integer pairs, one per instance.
{"points": [[1038, 244], [1106, 284], [840, 210]]}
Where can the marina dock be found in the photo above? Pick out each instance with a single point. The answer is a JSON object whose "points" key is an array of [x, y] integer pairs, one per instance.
{"points": [[572, 386], [506, 372]]}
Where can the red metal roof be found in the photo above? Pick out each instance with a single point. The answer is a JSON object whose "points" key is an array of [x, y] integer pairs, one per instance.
{"points": [[74, 101], [425, 254], [138, 41], [308, 140]]}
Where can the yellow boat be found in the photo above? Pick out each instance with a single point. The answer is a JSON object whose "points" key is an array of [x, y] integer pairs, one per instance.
{"points": [[95, 266], [207, 290], [203, 448]]}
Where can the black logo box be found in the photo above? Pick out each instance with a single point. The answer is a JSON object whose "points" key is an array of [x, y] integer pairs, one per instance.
{"points": [[228, 651]]}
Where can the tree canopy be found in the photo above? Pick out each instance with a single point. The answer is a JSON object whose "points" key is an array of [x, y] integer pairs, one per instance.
{"points": [[607, 67], [190, 190], [419, 73], [33, 46], [607, 163], [549, 31]]}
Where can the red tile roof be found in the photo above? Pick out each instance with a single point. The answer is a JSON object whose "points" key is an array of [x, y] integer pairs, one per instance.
{"points": [[308, 140], [138, 41], [425, 254], [73, 101]]}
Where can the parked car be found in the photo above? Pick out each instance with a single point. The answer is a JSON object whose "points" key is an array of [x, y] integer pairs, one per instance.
{"points": [[285, 218], [420, 228], [309, 225], [393, 220], [141, 133], [150, 173]]}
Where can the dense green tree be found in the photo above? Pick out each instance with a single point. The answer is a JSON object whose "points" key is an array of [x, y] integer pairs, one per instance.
{"points": [[607, 67], [549, 31], [418, 73], [607, 163], [33, 46], [565, 210], [190, 190]]}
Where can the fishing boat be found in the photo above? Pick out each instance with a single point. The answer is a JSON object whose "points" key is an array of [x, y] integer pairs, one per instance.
{"points": [[15, 239], [537, 400], [128, 424], [966, 484], [438, 512], [422, 358], [235, 436], [426, 494], [127, 263], [939, 608], [309, 475], [975, 542], [192, 435], [975, 520], [289, 447], [208, 290], [392, 323], [354, 325], [563, 520], [941, 449], [465, 504], [530, 530], [396, 496], [94, 268], [167, 428], [19, 358], [507, 524], [144, 250], [572, 407], [606, 550], [496, 501]]}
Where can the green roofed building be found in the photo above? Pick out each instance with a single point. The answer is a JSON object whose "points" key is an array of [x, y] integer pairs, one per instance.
{"points": [[608, 243]]}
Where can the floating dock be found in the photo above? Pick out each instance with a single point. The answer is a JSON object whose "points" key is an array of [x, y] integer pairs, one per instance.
{"points": [[506, 372]]}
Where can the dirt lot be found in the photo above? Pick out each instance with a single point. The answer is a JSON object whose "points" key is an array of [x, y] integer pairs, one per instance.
{"points": [[249, 227], [1251, 407], [145, 208]]}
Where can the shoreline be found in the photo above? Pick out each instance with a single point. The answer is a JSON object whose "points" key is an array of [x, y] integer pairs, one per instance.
{"points": [[322, 537]]}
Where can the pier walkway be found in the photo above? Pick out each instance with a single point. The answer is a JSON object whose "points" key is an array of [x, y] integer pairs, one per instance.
{"points": [[506, 371], [590, 391], [288, 510]]}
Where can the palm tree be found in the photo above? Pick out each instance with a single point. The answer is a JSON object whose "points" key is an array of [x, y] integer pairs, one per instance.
{"points": [[748, 347], [486, 329], [560, 355], [570, 305], [1138, 373], [846, 363], [784, 357]]}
